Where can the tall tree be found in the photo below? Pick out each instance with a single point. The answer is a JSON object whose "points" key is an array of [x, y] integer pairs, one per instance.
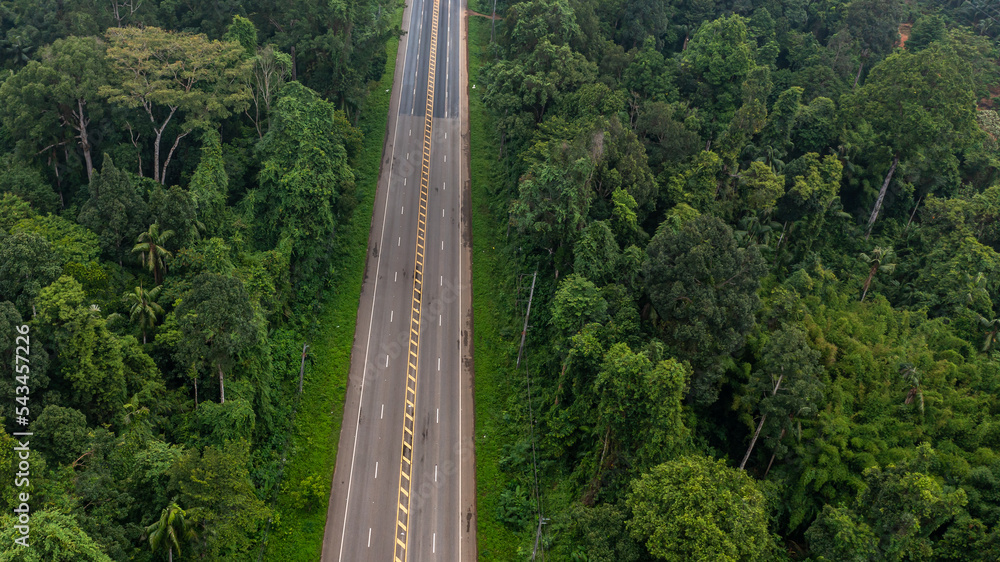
{"points": [[169, 531], [789, 371], [209, 187], [714, 66], [90, 356], [143, 307], [164, 72], [174, 209], [81, 70], [704, 287], [116, 211], [27, 264], [697, 508], [305, 165], [218, 324], [874, 24], [877, 262], [918, 105], [271, 68], [152, 252], [215, 484]]}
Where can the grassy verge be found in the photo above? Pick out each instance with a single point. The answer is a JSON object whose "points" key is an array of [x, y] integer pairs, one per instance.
{"points": [[492, 306], [297, 534]]}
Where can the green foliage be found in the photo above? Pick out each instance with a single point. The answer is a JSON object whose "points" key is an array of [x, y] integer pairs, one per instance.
{"points": [[90, 356], [242, 31], [311, 494], [813, 183], [169, 531], [151, 251], [704, 288], [209, 185], [304, 170], [788, 385], [554, 199], [56, 537], [597, 253], [116, 211], [577, 302], [27, 183], [598, 534], [697, 508], [218, 325], [8, 469], [874, 24], [174, 210], [918, 102], [143, 308], [769, 131], [892, 518], [640, 402], [222, 505], [74, 88], [63, 435], [761, 187], [697, 184], [73, 243], [216, 424], [28, 262], [171, 72], [12, 210], [925, 31], [719, 58]]}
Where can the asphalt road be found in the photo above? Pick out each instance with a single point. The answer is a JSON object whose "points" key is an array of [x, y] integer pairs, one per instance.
{"points": [[363, 510]]}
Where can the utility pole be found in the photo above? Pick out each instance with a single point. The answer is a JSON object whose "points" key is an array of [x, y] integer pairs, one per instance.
{"points": [[526, 315], [493, 21], [302, 369], [538, 535]]}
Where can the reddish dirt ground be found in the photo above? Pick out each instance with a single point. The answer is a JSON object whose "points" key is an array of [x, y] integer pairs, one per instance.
{"points": [[904, 33], [471, 13]]}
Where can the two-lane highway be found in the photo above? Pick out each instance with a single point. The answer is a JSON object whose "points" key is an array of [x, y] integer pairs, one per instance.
{"points": [[404, 486]]}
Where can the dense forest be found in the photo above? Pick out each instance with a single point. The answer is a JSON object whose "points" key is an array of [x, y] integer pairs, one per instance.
{"points": [[173, 178], [765, 235]]}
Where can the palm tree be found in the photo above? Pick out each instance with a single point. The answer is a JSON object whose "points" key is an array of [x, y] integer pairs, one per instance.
{"points": [[151, 251], [169, 531], [876, 262], [911, 376], [992, 326], [144, 308]]}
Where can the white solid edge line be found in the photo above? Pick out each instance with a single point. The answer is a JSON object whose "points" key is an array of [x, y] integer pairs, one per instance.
{"points": [[378, 265], [459, 307]]}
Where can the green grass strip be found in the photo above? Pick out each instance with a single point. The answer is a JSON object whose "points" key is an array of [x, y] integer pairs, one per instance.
{"points": [[297, 534], [492, 306]]}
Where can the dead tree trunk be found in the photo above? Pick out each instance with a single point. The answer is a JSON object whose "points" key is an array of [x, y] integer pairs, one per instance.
{"points": [[868, 282], [81, 128], [760, 425], [881, 196], [222, 386]]}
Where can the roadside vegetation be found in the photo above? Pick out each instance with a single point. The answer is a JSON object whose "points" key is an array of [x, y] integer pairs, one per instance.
{"points": [[301, 508], [172, 240], [493, 281], [764, 324]]}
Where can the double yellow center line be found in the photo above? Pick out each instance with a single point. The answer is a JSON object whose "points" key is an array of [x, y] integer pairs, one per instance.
{"points": [[413, 355]]}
